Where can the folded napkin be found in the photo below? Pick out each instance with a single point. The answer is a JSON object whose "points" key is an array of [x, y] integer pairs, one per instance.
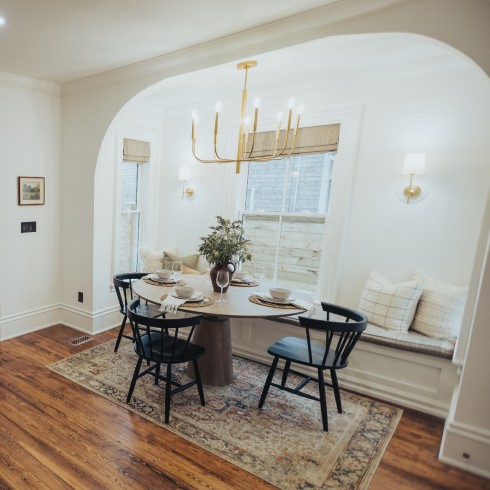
{"points": [[299, 303], [305, 305], [170, 304]]}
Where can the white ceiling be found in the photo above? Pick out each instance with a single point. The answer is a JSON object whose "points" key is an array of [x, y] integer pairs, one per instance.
{"points": [[64, 40]]}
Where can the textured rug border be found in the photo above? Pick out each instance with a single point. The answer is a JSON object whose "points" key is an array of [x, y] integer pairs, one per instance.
{"points": [[373, 467], [363, 484]]}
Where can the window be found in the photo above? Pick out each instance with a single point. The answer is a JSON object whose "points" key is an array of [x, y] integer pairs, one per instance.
{"points": [[284, 216], [131, 171], [129, 219]]}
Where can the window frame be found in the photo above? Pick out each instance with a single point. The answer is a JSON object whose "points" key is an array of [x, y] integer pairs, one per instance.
{"points": [[282, 215], [350, 120], [148, 179]]}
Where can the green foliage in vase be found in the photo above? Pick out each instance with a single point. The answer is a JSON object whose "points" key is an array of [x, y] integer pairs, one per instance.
{"points": [[225, 243]]}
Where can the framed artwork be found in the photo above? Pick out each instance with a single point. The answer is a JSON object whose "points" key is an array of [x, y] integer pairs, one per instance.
{"points": [[30, 190]]}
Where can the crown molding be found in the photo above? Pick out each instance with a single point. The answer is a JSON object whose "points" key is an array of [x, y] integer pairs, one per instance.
{"points": [[19, 82], [296, 29]]}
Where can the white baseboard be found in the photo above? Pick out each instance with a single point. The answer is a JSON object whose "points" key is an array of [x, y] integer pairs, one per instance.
{"points": [[29, 321], [90, 323], [467, 447]]}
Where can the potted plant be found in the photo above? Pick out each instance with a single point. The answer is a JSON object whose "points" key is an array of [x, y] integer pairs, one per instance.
{"points": [[224, 248]]}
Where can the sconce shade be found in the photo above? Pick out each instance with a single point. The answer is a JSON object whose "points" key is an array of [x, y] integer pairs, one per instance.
{"points": [[414, 164], [184, 174]]}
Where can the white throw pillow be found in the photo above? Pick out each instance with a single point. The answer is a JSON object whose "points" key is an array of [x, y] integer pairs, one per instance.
{"points": [[150, 260], [440, 310], [388, 305]]}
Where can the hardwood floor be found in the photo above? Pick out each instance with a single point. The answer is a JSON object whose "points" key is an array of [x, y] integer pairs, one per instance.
{"points": [[56, 435]]}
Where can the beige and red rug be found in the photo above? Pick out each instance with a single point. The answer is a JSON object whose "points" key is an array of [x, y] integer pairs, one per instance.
{"points": [[283, 443]]}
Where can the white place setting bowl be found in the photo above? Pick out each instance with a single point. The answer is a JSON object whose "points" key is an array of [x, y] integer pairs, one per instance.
{"points": [[163, 273], [184, 291], [280, 293]]}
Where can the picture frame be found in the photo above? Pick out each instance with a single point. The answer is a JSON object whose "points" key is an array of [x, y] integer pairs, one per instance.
{"points": [[31, 191]]}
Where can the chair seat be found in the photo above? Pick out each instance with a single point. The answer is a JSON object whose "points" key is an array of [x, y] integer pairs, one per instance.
{"points": [[149, 310], [296, 350], [162, 348]]}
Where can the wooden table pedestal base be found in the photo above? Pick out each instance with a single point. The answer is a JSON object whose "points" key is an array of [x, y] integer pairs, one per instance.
{"points": [[216, 365]]}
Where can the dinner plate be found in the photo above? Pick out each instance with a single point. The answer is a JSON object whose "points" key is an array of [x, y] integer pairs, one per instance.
{"points": [[165, 281], [244, 281], [270, 299]]}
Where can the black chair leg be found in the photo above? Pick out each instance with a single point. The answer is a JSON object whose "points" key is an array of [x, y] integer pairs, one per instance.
{"points": [[157, 372], [199, 382], [133, 381], [120, 334], [285, 373], [268, 381], [323, 399], [168, 392], [336, 391]]}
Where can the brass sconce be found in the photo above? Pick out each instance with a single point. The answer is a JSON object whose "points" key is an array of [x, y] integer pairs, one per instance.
{"points": [[414, 164], [188, 192]]}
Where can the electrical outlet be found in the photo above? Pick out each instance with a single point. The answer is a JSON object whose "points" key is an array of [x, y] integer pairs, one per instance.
{"points": [[80, 297]]}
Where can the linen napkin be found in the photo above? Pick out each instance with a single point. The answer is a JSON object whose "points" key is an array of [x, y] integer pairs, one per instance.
{"points": [[170, 304], [299, 303]]}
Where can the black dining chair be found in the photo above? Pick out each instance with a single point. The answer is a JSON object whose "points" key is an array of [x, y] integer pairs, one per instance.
{"points": [[123, 284], [341, 335], [165, 340]]}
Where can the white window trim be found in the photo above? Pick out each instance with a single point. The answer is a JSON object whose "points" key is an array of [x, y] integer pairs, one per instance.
{"points": [[148, 223], [337, 217]]}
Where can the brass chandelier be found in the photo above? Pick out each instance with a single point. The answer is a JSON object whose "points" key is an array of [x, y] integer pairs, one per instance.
{"points": [[246, 135]]}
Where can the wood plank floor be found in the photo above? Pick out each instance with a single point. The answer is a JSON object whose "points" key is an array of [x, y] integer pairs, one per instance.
{"points": [[56, 435]]}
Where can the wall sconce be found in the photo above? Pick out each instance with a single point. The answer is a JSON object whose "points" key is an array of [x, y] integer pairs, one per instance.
{"points": [[188, 192], [414, 164]]}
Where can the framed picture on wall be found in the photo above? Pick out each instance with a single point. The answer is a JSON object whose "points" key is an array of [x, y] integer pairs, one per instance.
{"points": [[30, 190]]}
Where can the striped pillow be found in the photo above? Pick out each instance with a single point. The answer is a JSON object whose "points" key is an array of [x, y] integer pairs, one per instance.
{"points": [[440, 310], [388, 305]]}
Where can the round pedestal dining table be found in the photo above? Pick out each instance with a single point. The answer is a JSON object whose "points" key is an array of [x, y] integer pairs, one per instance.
{"points": [[213, 333]]}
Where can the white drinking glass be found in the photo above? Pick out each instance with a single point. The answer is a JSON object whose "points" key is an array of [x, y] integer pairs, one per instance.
{"points": [[259, 274], [222, 280], [177, 269]]}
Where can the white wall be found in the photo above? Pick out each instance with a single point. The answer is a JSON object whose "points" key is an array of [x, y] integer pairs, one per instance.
{"points": [[29, 266]]}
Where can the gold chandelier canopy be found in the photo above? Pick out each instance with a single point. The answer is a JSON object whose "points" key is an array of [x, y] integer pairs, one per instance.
{"points": [[246, 134]]}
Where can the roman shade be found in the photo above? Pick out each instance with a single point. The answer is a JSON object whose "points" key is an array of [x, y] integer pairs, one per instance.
{"points": [[314, 139], [136, 151]]}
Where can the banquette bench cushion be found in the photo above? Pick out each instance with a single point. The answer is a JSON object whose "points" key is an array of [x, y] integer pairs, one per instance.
{"points": [[408, 341]]}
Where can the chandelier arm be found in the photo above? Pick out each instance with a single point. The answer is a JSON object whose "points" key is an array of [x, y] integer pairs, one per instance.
{"points": [[202, 160]]}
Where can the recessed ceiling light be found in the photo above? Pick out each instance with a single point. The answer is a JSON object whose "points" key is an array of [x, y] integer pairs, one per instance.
{"points": [[2, 21]]}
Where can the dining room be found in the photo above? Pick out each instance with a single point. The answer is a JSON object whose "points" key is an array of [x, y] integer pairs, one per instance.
{"points": [[348, 215]]}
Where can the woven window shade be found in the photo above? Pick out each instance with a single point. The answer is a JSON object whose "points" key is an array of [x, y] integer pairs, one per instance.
{"points": [[136, 151], [315, 139]]}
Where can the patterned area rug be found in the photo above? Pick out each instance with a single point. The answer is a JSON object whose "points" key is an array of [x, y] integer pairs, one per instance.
{"points": [[283, 443]]}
